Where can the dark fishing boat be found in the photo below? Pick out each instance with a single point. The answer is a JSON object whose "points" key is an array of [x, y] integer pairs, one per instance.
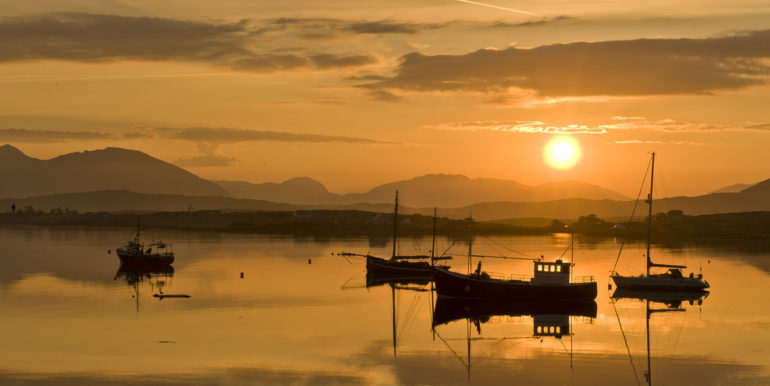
{"points": [[551, 281], [672, 279], [138, 254], [401, 265]]}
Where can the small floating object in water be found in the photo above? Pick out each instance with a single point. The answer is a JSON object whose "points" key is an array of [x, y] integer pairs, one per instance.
{"points": [[241, 275], [163, 296], [309, 261], [109, 251], [166, 341]]}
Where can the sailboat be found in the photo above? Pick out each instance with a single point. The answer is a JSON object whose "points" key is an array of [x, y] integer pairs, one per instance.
{"points": [[673, 301], [551, 281], [400, 265], [672, 279]]}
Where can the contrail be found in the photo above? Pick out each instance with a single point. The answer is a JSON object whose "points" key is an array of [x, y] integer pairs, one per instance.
{"points": [[498, 7]]}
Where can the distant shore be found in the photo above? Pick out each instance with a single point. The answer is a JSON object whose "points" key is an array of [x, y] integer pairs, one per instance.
{"points": [[673, 225]]}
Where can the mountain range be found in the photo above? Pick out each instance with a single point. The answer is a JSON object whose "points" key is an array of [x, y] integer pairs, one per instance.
{"points": [[444, 190], [116, 179]]}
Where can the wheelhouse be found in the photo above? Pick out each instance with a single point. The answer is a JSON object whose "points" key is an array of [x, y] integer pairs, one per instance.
{"points": [[556, 272]]}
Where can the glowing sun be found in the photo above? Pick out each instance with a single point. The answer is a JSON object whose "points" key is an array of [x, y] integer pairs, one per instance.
{"points": [[562, 152]]}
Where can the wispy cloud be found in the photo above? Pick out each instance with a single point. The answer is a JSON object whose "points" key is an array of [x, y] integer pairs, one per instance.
{"points": [[612, 68], [520, 127], [226, 135], [647, 142], [47, 136], [674, 126]]}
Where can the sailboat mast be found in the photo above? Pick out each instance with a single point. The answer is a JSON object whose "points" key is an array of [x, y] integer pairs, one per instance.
{"points": [[395, 225], [649, 216], [433, 246], [470, 242]]}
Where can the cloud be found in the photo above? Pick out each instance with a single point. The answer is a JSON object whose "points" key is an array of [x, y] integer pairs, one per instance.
{"points": [[81, 37], [331, 28], [224, 135], [45, 136], [210, 160], [674, 126], [611, 68], [646, 142], [520, 127]]}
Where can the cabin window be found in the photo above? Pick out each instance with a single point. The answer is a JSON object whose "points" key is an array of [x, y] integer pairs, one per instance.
{"points": [[540, 267], [550, 329], [553, 268], [558, 268], [539, 329], [558, 329]]}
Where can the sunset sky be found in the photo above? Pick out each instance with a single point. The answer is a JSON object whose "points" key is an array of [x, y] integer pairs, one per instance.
{"points": [[358, 93]]}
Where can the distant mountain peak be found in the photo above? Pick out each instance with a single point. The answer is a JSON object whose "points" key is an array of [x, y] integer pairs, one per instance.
{"points": [[8, 152]]}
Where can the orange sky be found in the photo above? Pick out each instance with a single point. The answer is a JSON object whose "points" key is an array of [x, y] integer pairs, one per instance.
{"points": [[359, 93]]}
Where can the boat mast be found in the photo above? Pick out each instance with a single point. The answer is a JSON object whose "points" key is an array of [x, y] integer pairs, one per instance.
{"points": [[395, 226], [470, 242], [649, 216], [433, 246]]}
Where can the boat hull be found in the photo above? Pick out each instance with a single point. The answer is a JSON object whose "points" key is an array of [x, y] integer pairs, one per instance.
{"points": [[451, 284], [146, 259], [376, 266], [660, 284]]}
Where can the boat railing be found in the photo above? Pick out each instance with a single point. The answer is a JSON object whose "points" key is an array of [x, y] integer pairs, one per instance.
{"points": [[584, 279], [502, 276]]}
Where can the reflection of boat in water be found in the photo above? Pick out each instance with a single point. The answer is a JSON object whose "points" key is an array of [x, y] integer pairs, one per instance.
{"points": [[672, 279], [551, 281], [157, 276], [451, 309], [671, 299], [148, 254], [400, 265], [550, 319]]}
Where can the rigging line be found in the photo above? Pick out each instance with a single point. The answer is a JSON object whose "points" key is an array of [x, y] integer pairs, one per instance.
{"points": [[448, 248], [631, 359], [565, 250], [510, 249], [451, 349], [628, 227], [407, 320]]}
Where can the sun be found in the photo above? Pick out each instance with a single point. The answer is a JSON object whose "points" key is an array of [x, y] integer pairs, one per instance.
{"points": [[562, 152]]}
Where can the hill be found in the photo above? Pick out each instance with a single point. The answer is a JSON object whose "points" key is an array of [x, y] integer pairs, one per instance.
{"points": [[106, 169], [733, 188], [443, 190], [749, 200]]}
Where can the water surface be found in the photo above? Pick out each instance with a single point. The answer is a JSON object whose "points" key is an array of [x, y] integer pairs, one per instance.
{"points": [[301, 315]]}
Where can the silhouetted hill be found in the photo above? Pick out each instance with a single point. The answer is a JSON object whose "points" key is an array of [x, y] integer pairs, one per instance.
{"points": [[106, 169], [443, 190], [301, 190], [733, 188], [749, 200]]}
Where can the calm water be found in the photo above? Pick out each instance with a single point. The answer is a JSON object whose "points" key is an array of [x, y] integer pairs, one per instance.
{"points": [[69, 317]]}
